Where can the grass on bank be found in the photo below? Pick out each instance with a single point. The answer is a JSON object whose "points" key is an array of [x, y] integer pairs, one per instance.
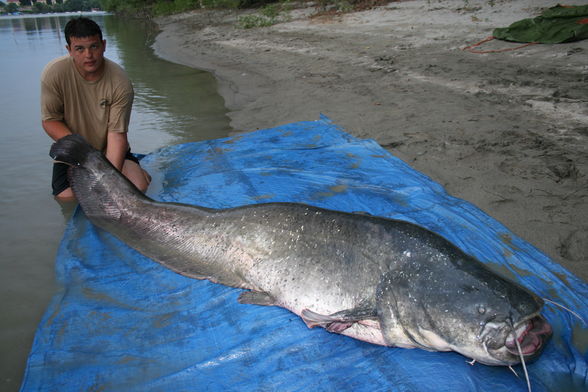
{"points": [[269, 11], [268, 15]]}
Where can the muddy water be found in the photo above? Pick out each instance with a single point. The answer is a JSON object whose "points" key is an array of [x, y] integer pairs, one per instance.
{"points": [[173, 104]]}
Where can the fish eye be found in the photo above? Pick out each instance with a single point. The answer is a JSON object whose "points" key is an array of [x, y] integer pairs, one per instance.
{"points": [[481, 309]]}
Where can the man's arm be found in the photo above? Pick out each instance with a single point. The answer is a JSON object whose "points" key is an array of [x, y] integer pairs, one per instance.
{"points": [[117, 146], [116, 150], [55, 129], [121, 105]]}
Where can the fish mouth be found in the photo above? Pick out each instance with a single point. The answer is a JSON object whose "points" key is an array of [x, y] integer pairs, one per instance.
{"points": [[531, 335]]}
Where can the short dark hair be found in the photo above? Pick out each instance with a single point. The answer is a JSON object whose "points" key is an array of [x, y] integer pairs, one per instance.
{"points": [[81, 28]]}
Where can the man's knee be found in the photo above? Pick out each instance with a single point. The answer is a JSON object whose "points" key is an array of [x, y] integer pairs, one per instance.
{"points": [[65, 195]]}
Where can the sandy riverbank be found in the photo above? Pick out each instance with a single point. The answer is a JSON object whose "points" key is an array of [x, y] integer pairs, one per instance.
{"points": [[507, 131]]}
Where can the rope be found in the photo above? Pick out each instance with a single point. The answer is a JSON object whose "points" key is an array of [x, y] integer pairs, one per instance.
{"points": [[487, 39]]}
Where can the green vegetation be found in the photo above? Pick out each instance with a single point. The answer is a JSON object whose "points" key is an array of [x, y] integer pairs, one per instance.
{"points": [[137, 7], [167, 7], [31, 6], [270, 11], [163, 7], [269, 14], [10, 8]]}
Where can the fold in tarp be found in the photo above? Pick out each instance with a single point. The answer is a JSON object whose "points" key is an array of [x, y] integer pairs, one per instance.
{"points": [[124, 323], [555, 25]]}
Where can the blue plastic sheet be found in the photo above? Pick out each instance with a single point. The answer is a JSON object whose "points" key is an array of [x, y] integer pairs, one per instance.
{"points": [[124, 323]]}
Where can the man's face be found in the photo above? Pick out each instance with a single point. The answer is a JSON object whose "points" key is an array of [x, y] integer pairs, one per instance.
{"points": [[88, 55]]}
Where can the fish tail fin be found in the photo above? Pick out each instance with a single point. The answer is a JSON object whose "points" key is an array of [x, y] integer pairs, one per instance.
{"points": [[72, 150]]}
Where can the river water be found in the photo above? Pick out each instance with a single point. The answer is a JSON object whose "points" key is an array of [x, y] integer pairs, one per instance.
{"points": [[173, 104]]}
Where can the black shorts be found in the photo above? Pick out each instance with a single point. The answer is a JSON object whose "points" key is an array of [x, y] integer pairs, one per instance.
{"points": [[60, 182]]}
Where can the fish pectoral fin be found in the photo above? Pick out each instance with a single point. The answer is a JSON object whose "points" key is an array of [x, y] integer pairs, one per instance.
{"points": [[337, 322], [313, 319], [256, 298], [362, 213]]}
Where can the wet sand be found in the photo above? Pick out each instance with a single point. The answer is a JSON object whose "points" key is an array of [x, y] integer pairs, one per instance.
{"points": [[507, 131]]}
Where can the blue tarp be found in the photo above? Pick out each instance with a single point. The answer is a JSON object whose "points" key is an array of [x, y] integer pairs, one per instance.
{"points": [[124, 323]]}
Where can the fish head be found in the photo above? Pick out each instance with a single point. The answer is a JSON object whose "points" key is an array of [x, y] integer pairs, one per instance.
{"points": [[460, 305]]}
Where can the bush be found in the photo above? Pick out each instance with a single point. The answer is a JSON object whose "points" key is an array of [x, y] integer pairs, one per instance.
{"points": [[166, 7], [268, 16], [220, 3]]}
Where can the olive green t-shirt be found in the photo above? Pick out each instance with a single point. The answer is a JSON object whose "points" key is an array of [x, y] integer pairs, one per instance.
{"points": [[91, 109]]}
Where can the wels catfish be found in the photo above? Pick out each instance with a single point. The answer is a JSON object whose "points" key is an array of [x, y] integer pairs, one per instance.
{"points": [[380, 280]]}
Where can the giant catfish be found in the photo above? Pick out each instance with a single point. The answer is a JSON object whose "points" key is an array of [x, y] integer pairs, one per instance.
{"points": [[380, 280]]}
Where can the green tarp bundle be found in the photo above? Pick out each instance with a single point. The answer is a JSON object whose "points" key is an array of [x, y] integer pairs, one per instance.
{"points": [[556, 25]]}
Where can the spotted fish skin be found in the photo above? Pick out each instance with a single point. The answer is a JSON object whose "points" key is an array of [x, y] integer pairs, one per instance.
{"points": [[380, 280]]}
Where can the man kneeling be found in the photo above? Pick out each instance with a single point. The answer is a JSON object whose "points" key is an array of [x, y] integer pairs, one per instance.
{"points": [[87, 94]]}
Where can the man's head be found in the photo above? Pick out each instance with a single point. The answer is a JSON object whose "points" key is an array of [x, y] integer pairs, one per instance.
{"points": [[86, 46], [81, 28]]}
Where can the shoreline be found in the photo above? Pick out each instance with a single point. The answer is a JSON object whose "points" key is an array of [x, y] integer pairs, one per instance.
{"points": [[506, 131]]}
